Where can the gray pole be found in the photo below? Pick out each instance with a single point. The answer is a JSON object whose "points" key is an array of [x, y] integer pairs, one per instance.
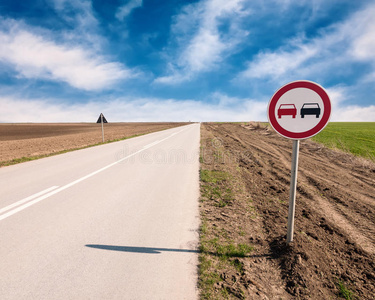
{"points": [[292, 195], [101, 118]]}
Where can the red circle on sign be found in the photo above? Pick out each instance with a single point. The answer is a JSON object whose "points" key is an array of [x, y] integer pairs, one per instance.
{"points": [[293, 85]]}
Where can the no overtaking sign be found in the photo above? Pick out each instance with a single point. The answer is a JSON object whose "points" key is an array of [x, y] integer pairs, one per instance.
{"points": [[298, 110]]}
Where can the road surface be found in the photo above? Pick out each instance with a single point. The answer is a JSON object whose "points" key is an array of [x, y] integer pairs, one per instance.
{"points": [[117, 221]]}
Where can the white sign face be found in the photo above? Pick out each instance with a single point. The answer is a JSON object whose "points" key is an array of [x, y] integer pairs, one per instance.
{"points": [[299, 110], [300, 98]]}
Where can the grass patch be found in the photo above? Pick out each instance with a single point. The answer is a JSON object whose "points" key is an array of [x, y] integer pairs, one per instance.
{"points": [[225, 250], [213, 176], [232, 250], [344, 292], [357, 138], [215, 255], [30, 158], [217, 250], [222, 251], [214, 187], [207, 278]]}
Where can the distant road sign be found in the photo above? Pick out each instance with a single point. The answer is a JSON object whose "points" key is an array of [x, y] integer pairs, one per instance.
{"points": [[102, 119], [299, 110]]}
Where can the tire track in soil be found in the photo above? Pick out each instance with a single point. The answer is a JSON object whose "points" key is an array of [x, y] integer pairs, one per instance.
{"points": [[334, 224], [341, 216]]}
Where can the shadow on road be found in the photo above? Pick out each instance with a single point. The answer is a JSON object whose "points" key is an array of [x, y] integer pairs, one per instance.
{"points": [[146, 250]]}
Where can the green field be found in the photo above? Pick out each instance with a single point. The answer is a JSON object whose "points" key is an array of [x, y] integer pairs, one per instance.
{"points": [[354, 137]]}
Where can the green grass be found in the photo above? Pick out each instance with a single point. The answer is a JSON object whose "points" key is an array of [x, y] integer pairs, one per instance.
{"points": [[29, 158], [344, 292], [207, 278], [213, 187], [357, 138], [227, 253], [213, 176], [217, 251], [225, 250]]}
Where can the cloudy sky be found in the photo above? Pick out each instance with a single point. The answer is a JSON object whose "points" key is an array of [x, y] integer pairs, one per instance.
{"points": [[179, 60]]}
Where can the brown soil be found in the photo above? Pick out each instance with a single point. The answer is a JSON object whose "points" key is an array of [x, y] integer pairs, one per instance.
{"points": [[26, 140], [334, 233]]}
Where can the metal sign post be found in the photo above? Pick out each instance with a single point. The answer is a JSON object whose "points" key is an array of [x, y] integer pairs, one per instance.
{"points": [[292, 193], [101, 119], [298, 110]]}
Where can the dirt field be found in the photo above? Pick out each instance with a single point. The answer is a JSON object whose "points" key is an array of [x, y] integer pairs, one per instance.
{"points": [[25, 140], [333, 253]]}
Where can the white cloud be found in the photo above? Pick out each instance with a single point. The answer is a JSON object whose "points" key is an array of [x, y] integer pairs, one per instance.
{"points": [[174, 78], [354, 113], [207, 46], [221, 107], [344, 113], [35, 56], [126, 9], [350, 41], [363, 44], [203, 51], [225, 108], [83, 25], [277, 64], [15, 110], [78, 13]]}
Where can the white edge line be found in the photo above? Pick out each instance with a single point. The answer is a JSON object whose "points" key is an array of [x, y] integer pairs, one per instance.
{"points": [[27, 199], [55, 191]]}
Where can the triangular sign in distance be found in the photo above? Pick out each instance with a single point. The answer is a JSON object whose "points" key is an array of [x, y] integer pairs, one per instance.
{"points": [[100, 119]]}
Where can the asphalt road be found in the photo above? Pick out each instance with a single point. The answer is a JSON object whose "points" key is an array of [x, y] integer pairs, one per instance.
{"points": [[117, 221]]}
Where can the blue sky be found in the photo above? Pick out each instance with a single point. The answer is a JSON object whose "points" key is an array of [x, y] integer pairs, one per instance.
{"points": [[175, 60]]}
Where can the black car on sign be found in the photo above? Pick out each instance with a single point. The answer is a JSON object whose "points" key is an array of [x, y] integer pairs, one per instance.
{"points": [[310, 109]]}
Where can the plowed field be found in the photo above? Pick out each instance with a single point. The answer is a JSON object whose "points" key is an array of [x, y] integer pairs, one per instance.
{"points": [[245, 178], [33, 140]]}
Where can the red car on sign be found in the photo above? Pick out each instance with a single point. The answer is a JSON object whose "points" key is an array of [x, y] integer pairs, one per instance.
{"points": [[287, 110]]}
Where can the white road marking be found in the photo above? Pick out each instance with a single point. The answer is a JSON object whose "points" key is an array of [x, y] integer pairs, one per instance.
{"points": [[27, 199], [18, 209], [57, 190], [152, 144]]}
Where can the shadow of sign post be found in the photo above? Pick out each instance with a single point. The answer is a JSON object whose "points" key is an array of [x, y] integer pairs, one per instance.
{"points": [[146, 250]]}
